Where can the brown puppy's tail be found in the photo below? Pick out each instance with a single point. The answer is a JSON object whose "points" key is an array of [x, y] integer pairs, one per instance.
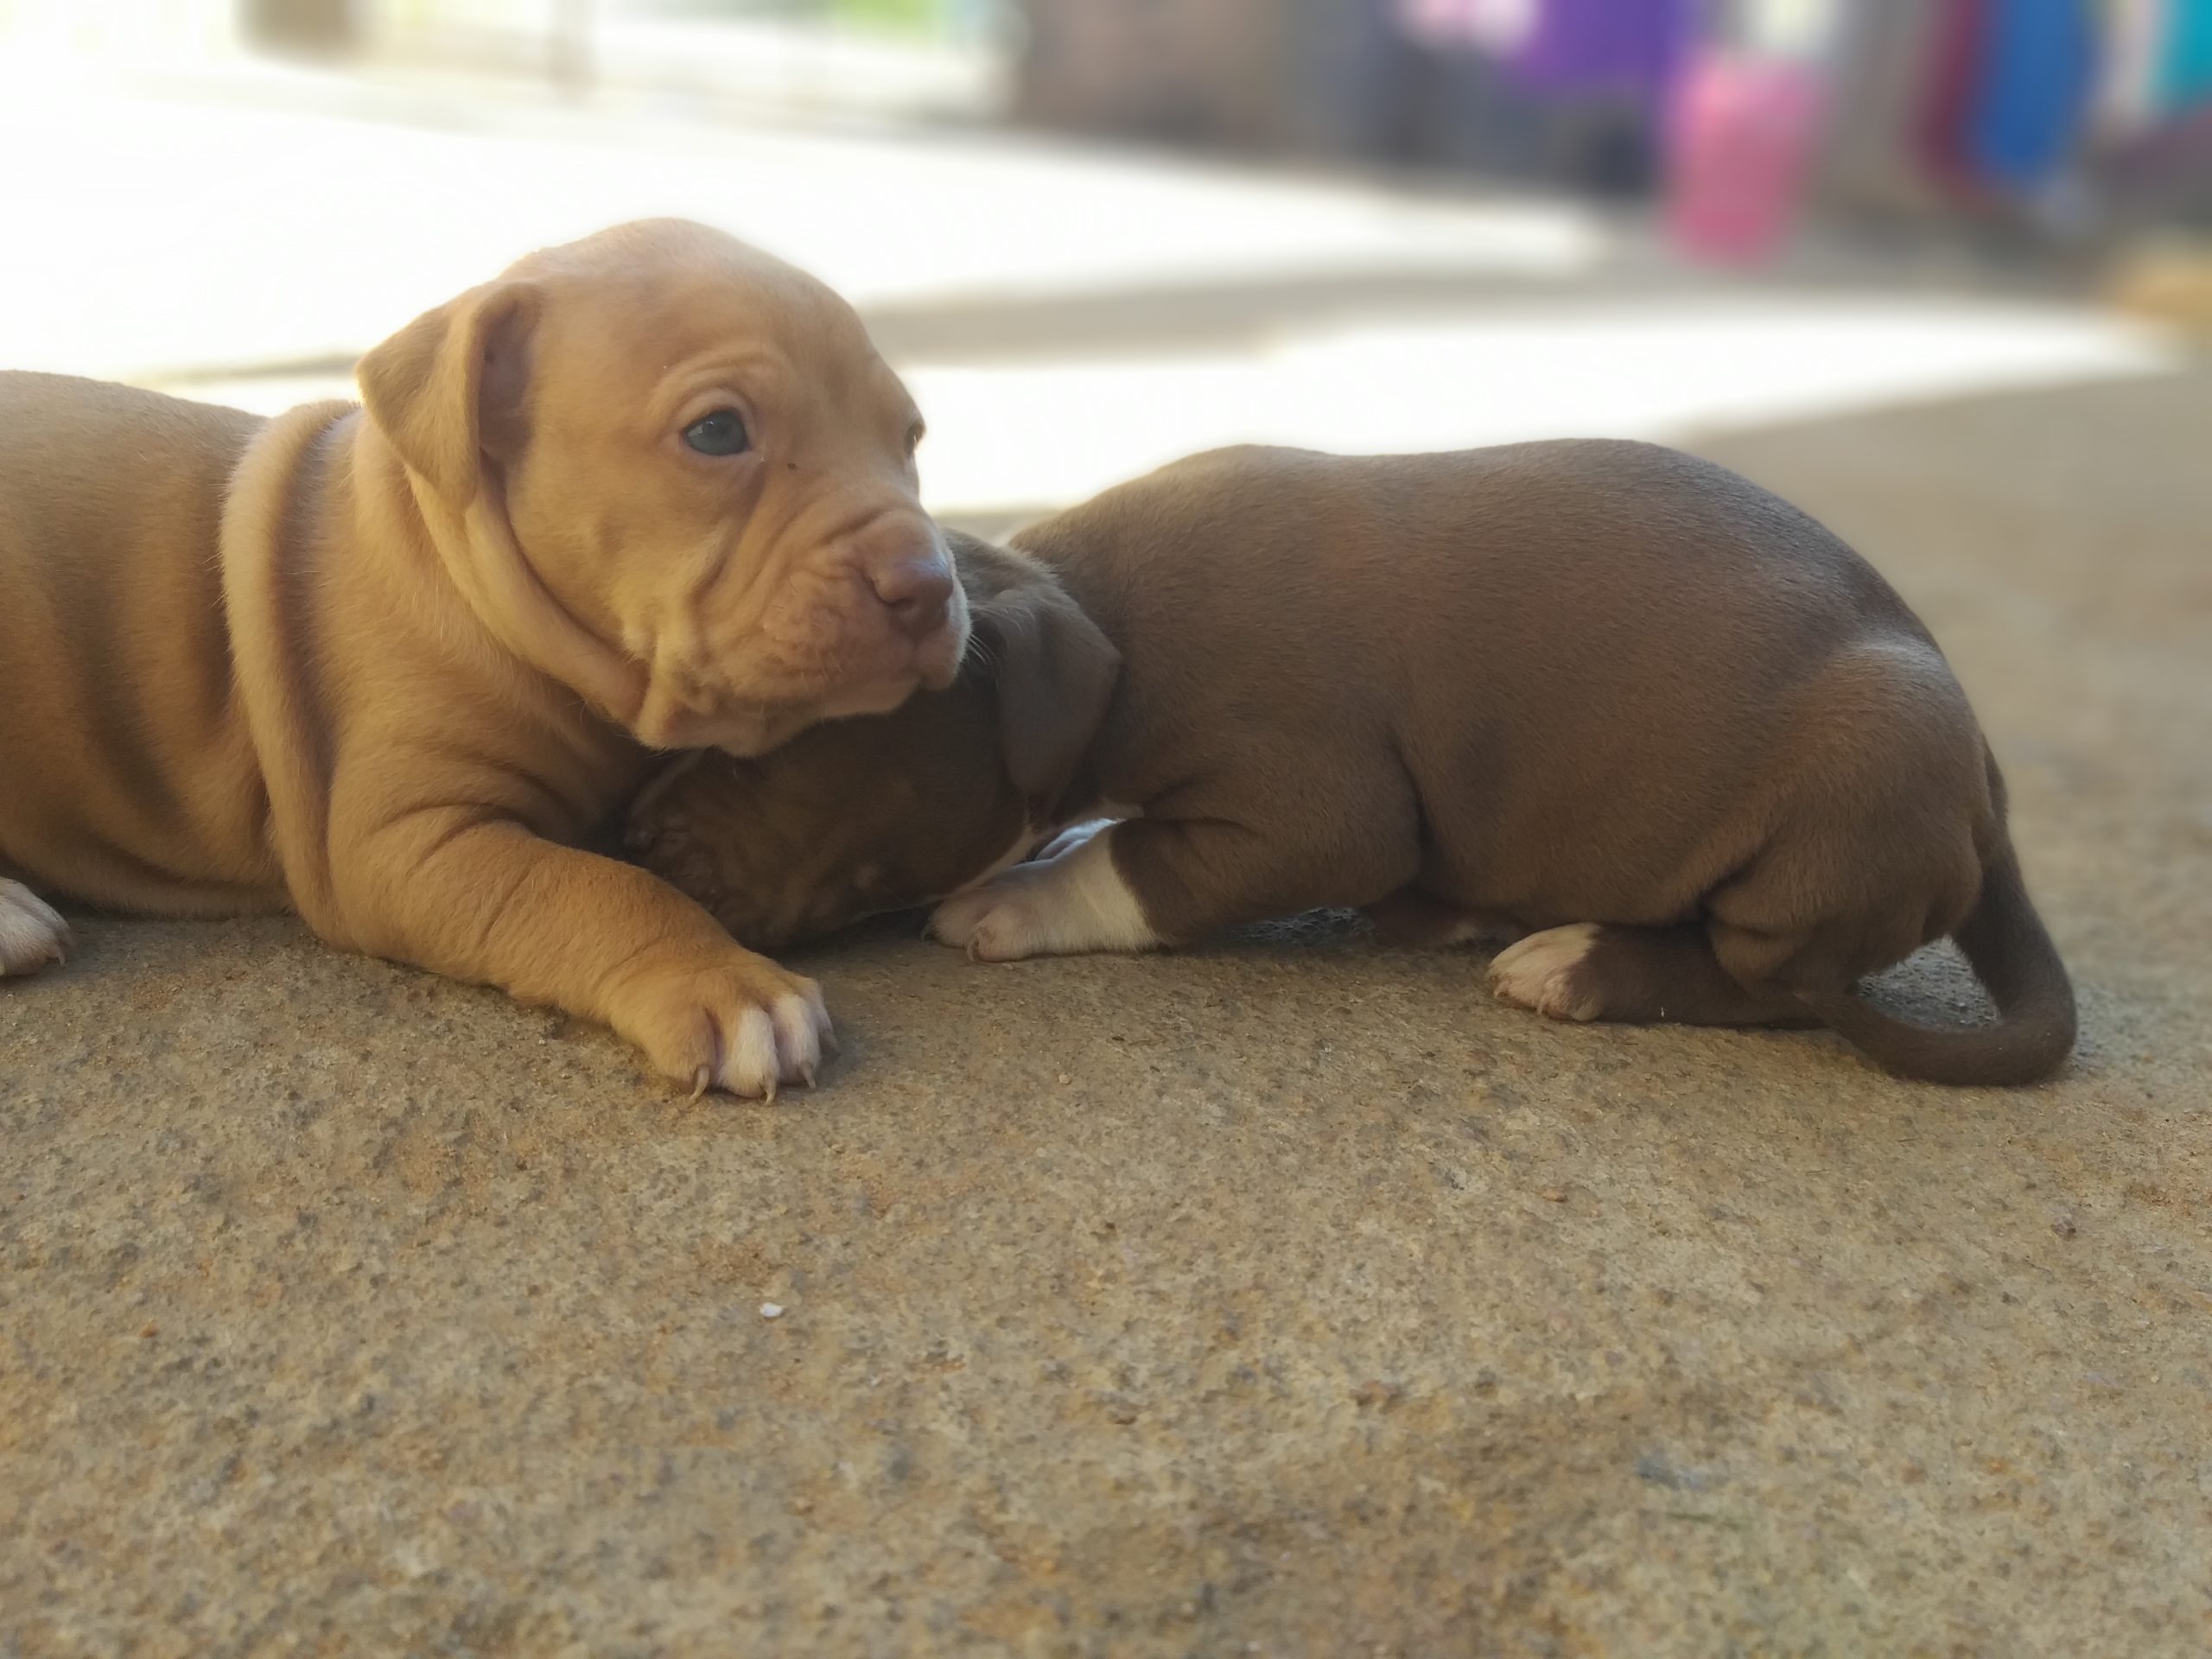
{"points": [[2013, 956]]}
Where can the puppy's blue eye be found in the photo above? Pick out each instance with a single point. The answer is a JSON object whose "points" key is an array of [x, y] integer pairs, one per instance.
{"points": [[722, 433]]}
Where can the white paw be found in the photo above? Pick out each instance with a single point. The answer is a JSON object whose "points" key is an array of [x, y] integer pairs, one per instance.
{"points": [[782, 1042], [739, 1023], [32, 932], [1539, 972], [1058, 906]]}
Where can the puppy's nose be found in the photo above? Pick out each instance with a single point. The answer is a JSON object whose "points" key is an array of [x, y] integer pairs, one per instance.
{"points": [[918, 592]]}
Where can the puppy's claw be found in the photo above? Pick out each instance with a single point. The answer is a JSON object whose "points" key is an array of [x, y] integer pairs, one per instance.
{"points": [[768, 1090], [806, 1074], [699, 1081]]}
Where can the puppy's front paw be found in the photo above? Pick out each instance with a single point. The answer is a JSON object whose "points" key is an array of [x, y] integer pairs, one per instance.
{"points": [[998, 921], [32, 932], [1544, 972], [741, 1023], [1057, 906]]}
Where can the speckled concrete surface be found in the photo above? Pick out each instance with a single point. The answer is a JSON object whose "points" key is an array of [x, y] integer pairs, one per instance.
{"points": [[1288, 1297]]}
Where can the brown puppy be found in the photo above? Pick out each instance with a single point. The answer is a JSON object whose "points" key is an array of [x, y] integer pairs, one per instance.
{"points": [[393, 665], [1612, 696]]}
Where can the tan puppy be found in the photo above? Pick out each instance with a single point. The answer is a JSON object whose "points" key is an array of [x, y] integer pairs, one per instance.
{"points": [[393, 665], [1604, 694]]}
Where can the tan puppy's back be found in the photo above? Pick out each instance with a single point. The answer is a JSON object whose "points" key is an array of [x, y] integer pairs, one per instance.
{"points": [[121, 695]]}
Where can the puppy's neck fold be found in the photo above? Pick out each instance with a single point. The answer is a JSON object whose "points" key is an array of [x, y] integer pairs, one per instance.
{"points": [[493, 578]]}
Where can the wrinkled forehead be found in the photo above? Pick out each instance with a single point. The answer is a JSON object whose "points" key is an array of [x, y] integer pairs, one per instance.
{"points": [[713, 310]]}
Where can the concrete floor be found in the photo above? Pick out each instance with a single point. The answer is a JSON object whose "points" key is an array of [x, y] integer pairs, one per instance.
{"points": [[1285, 1298]]}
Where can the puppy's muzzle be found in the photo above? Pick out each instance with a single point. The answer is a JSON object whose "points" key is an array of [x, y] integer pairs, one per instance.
{"points": [[902, 562], [917, 589]]}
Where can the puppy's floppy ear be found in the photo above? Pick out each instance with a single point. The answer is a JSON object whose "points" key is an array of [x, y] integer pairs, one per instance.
{"points": [[448, 389], [1053, 671]]}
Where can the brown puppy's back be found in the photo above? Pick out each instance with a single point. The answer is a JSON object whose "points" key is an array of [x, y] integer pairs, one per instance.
{"points": [[124, 641], [1561, 656], [1592, 682]]}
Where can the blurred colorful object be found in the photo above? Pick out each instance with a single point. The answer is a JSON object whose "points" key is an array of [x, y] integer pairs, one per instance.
{"points": [[1569, 47], [2033, 115], [1899, 103], [2185, 61], [1583, 46], [2036, 73], [1744, 133]]}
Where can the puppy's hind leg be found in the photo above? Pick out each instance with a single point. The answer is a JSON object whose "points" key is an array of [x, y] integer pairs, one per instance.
{"points": [[1632, 975], [32, 932]]}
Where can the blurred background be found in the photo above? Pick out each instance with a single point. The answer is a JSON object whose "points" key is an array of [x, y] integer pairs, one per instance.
{"points": [[1096, 234]]}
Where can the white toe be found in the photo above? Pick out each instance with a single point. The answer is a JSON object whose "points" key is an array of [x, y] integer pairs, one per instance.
{"points": [[32, 932], [1538, 973], [953, 922], [750, 1066], [799, 1022]]}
